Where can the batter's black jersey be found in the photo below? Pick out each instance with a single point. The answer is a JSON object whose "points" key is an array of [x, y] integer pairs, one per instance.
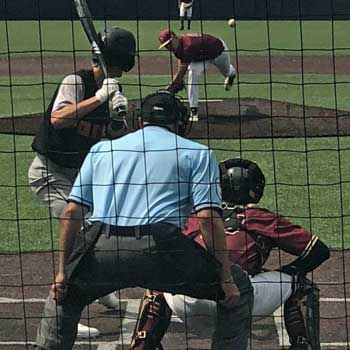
{"points": [[186, 1], [68, 147]]}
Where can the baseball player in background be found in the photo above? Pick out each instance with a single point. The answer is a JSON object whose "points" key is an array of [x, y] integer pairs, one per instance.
{"points": [[78, 117], [194, 53], [185, 12], [251, 233]]}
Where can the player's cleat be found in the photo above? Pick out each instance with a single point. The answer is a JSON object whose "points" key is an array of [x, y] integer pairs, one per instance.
{"points": [[299, 347], [229, 82], [85, 332], [298, 343], [194, 114], [110, 301]]}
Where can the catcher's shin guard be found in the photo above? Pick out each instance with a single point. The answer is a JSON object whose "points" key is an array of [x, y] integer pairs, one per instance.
{"points": [[152, 322], [295, 324], [302, 316], [312, 317]]}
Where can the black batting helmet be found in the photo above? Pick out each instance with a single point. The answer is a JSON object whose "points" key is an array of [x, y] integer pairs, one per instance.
{"points": [[242, 181], [164, 108], [118, 47]]}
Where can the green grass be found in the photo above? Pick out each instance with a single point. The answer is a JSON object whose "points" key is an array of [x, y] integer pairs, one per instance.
{"points": [[248, 38], [31, 94], [307, 180]]}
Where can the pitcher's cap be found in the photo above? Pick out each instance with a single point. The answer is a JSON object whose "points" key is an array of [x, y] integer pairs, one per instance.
{"points": [[165, 36]]}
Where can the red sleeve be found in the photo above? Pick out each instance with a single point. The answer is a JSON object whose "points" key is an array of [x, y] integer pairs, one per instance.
{"points": [[191, 226], [287, 236]]}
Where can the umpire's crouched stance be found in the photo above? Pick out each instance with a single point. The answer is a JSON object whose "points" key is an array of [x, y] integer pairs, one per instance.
{"points": [[141, 188]]}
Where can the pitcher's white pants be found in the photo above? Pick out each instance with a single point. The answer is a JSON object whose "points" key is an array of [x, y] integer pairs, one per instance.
{"points": [[271, 290], [196, 69]]}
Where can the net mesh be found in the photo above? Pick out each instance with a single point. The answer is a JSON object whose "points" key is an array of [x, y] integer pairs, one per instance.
{"points": [[288, 111]]}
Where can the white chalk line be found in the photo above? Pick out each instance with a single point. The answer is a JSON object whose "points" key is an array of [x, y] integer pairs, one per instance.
{"points": [[129, 321], [4, 300], [209, 100]]}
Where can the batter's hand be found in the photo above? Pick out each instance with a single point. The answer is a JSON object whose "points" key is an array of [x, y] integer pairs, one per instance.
{"points": [[59, 288], [232, 293], [119, 101], [109, 87]]}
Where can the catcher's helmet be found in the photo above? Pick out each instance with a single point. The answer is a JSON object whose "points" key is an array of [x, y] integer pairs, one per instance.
{"points": [[164, 108], [242, 181], [118, 47]]}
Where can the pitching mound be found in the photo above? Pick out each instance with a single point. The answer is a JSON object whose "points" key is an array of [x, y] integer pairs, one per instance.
{"points": [[232, 119]]}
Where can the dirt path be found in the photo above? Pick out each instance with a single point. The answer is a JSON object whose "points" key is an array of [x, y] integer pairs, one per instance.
{"points": [[29, 275], [163, 65]]}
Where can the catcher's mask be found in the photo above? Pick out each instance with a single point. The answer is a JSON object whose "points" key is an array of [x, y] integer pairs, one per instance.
{"points": [[118, 47], [242, 181], [164, 108]]}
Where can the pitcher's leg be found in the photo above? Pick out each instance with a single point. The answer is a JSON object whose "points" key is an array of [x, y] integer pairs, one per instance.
{"points": [[223, 63], [195, 71]]}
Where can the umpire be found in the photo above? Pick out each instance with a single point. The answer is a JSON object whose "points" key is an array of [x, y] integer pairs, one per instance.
{"points": [[141, 189]]}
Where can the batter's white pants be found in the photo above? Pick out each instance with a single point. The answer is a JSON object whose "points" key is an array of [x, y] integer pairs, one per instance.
{"points": [[51, 183], [196, 69], [271, 290], [185, 12]]}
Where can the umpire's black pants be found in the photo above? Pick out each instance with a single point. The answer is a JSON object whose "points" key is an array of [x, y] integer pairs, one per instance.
{"points": [[165, 261]]}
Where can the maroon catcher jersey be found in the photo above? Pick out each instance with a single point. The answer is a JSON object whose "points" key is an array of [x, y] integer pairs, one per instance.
{"points": [[260, 231], [198, 47]]}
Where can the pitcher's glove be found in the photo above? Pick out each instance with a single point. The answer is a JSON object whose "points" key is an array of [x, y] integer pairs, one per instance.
{"points": [[174, 88]]}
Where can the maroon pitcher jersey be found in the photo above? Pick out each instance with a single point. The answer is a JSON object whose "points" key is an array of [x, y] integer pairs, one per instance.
{"points": [[250, 250], [198, 47]]}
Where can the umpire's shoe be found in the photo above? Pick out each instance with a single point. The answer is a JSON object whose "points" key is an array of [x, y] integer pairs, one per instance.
{"points": [[229, 82], [298, 343], [110, 301]]}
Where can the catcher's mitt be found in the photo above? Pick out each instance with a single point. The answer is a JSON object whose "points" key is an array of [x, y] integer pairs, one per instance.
{"points": [[174, 88]]}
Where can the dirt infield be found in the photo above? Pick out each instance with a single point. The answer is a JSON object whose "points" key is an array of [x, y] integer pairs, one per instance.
{"points": [[234, 119], [227, 118], [164, 65], [26, 278]]}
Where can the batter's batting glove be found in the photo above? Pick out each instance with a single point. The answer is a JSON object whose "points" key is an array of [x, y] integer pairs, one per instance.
{"points": [[119, 101], [119, 107], [109, 87]]}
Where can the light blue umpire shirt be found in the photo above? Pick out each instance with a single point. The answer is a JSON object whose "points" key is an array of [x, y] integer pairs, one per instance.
{"points": [[148, 176]]}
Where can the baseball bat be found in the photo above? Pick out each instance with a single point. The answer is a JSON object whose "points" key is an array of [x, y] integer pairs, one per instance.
{"points": [[90, 31]]}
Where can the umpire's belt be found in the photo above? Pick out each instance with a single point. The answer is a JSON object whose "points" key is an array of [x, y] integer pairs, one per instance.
{"points": [[127, 231]]}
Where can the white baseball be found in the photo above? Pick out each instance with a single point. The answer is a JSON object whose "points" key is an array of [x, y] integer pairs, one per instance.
{"points": [[231, 22]]}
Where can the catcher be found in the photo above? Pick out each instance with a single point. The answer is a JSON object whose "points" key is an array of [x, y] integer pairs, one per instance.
{"points": [[194, 53], [251, 234]]}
